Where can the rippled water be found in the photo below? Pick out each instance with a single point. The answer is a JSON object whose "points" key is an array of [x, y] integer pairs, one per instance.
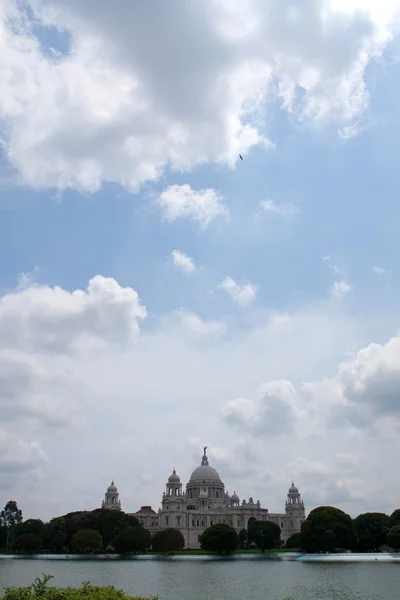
{"points": [[205, 579]]}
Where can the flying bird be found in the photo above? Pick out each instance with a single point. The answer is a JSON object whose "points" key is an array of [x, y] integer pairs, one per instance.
{"points": [[241, 157]]}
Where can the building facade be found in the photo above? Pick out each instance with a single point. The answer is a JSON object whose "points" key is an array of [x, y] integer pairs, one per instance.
{"points": [[205, 503]]}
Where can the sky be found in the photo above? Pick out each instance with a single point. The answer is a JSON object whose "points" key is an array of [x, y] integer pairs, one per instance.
{"points": [[157, 292]]}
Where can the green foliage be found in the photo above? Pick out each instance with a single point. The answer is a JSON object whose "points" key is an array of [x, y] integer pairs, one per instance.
{"points": [[168, 541], [27, 543], [264, 534], [393, 537], [87, 541], [394, 519], [131, 540], [243, 539], [219, 539], [321, 523], [10, 516], [40, 589], [370, 530], [294, 541]]}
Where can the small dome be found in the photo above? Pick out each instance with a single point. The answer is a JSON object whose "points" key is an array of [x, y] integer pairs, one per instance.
{"points": [[174, 478], [112, 489], [293, 489], [235, 497]]}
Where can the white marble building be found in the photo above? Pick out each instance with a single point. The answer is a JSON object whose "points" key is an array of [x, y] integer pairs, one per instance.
{"points": [[205, 502]]}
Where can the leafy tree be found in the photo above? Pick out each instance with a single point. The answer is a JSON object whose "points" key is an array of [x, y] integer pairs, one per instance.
{"points": [[10, 516], [264, 534], [294, 541], [393, 537], [110, 523], [327, 519], [87, 541], [219, 539], [243, 538], [370, 530], [27, 543], [131, 540], [394, 519], [54, 536], [168, 540]]}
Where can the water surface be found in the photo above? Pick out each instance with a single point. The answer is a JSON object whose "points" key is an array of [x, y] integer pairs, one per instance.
{"points": [[203, 579]]}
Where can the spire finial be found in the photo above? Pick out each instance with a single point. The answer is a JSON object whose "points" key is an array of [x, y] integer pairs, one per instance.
{"points": [[204, 460]]}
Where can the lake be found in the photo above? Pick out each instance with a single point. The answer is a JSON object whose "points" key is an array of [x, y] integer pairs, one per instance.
{"points": [[202, 578]]}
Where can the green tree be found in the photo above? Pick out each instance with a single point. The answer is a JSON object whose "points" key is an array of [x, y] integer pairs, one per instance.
{"points": [[87, 541], [54, 536], [219, 539], [243, 540], [131, 540], [394, 519], [370, 530], [168, 541], [10, 516], [110, 523], [324, 519], [393, 537], [264, 534], [294, 541], [27, 543]]}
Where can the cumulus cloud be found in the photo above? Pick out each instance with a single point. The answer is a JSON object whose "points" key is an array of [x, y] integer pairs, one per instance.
{"points": [[183, 262], [241, 294], [104, 312], [283, 210], [179, 102], [181, 201], [273, 413], [340, 288], [186, 370]]}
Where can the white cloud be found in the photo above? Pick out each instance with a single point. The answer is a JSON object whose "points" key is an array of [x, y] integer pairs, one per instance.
{"points": [[180, 201], [340, 288], [241, 294], [183, 261], [196, 325], [186, 370], [381, 271], [284, 210], [192, 102]]}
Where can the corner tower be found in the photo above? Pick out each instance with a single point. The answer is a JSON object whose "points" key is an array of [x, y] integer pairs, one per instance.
{"points": [[111, 498], [295, 511]]}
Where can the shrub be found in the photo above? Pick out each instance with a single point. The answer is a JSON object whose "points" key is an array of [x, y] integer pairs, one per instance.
{"points": [[220, 539], [87, 592], [87, 541], [168, 540]]}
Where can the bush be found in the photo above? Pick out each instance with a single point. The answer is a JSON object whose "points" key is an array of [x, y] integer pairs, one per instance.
{"points": [[168, 541], [87, 592], [294, 541], [219, 539], [134, 539]]}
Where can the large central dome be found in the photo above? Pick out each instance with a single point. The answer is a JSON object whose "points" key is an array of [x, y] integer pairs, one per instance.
{"points": [[204, 472]]}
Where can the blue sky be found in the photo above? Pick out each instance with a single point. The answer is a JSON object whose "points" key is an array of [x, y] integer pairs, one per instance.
{"points": [[79, 199]]}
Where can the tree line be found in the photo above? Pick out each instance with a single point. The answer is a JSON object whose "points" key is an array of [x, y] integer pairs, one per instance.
{"points": [[102, 530]]}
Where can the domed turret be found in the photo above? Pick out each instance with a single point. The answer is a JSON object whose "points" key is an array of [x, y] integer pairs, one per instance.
{"points": [[174, 478], [174, 486], [293, 489], [235, 500], [111, 498]]}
